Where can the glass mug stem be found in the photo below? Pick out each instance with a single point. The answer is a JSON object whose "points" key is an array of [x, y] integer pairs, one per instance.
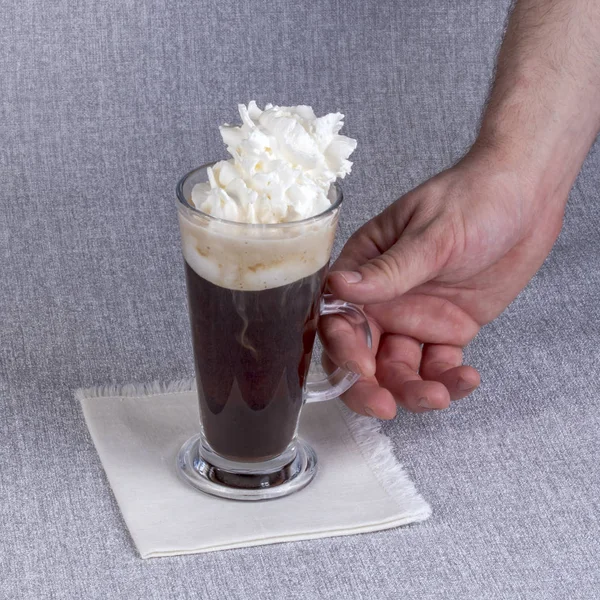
{"points": [[255, 295]]}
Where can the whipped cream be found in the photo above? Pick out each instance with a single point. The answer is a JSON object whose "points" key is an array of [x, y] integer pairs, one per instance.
{"points": [[284, 160]]}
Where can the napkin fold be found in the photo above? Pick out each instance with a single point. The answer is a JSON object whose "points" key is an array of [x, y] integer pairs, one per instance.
{"points": [[137, 430]]}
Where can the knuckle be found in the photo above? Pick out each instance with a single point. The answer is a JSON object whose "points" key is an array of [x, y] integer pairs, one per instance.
{"points": [[386, 265], [335, 329], [441, 239], [366, 236], [461, 324], [361, 245]]}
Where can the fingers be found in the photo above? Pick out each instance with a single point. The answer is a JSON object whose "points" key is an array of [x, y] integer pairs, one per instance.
{"points": [[398, 362], [359, 248], [367, 397], [442, 363], [380, 261], [374, 237], [345, 344], [418, 379], [430, 319], [384, 276], [416, 257]]}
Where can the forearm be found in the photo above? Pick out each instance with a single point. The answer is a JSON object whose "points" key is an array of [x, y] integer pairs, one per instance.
{"points": [[544, 110]]}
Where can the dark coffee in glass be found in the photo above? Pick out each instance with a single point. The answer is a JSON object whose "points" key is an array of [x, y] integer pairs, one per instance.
{"points": [[252, 354], [255, 295]]}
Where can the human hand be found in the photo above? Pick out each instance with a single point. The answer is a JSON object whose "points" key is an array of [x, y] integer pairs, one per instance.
{"points": [[431, 270]]}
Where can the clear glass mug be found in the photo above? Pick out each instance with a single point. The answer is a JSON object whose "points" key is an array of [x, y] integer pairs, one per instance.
{"points": [[255, 295]]}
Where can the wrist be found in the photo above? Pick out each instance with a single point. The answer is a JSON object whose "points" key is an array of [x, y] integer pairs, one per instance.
{"points": [[543, 142], [541, 166], [523, 195]]}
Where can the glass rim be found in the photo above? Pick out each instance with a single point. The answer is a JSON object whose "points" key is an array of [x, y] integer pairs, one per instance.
{"points": [[182, 200]]}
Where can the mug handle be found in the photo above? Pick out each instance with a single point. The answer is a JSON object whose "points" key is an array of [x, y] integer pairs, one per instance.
{"points": [[340, 380]]}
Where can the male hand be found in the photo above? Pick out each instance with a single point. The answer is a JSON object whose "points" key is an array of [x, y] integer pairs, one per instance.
{"points": [[431, 270]]}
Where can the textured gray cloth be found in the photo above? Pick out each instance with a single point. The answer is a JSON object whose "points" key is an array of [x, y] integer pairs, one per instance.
{"points": [[103, 105]]}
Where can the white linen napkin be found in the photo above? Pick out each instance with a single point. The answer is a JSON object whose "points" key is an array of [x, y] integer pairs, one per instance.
{"points": [[138, 430]]}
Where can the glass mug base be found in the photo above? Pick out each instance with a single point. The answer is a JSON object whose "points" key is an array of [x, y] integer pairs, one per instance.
{"points": [[243, 481]]}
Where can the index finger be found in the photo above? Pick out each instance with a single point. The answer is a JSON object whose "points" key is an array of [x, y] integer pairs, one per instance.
{"points": [[345, 344], [398, 363], [366, 396]]}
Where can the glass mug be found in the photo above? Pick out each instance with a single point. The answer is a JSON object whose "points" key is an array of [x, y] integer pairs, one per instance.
{"points": [[255, 295]]}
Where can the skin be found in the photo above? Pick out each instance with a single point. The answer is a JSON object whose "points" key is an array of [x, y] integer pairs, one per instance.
{"points": [[450, 256]]}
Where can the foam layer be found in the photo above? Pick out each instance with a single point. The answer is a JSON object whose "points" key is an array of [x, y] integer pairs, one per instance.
{"points": [[242, 258]]}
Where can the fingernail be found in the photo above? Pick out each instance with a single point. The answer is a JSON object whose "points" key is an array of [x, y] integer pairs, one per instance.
{"points": [[370, 413], [353, 367], [463, 385], [424, 403], [351, 276]]}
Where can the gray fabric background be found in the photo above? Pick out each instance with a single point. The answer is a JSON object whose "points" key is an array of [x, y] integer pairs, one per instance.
{"points": [[103, 105]]}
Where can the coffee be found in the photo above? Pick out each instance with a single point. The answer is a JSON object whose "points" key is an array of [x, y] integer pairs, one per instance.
{"points": [[257, 231], [252, 354]]}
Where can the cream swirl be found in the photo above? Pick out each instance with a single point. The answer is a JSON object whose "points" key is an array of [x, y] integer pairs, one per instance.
{"points": [[284, 160]]}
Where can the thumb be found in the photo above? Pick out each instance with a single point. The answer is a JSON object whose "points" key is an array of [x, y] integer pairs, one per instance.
{"points": [[410, 262]]}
